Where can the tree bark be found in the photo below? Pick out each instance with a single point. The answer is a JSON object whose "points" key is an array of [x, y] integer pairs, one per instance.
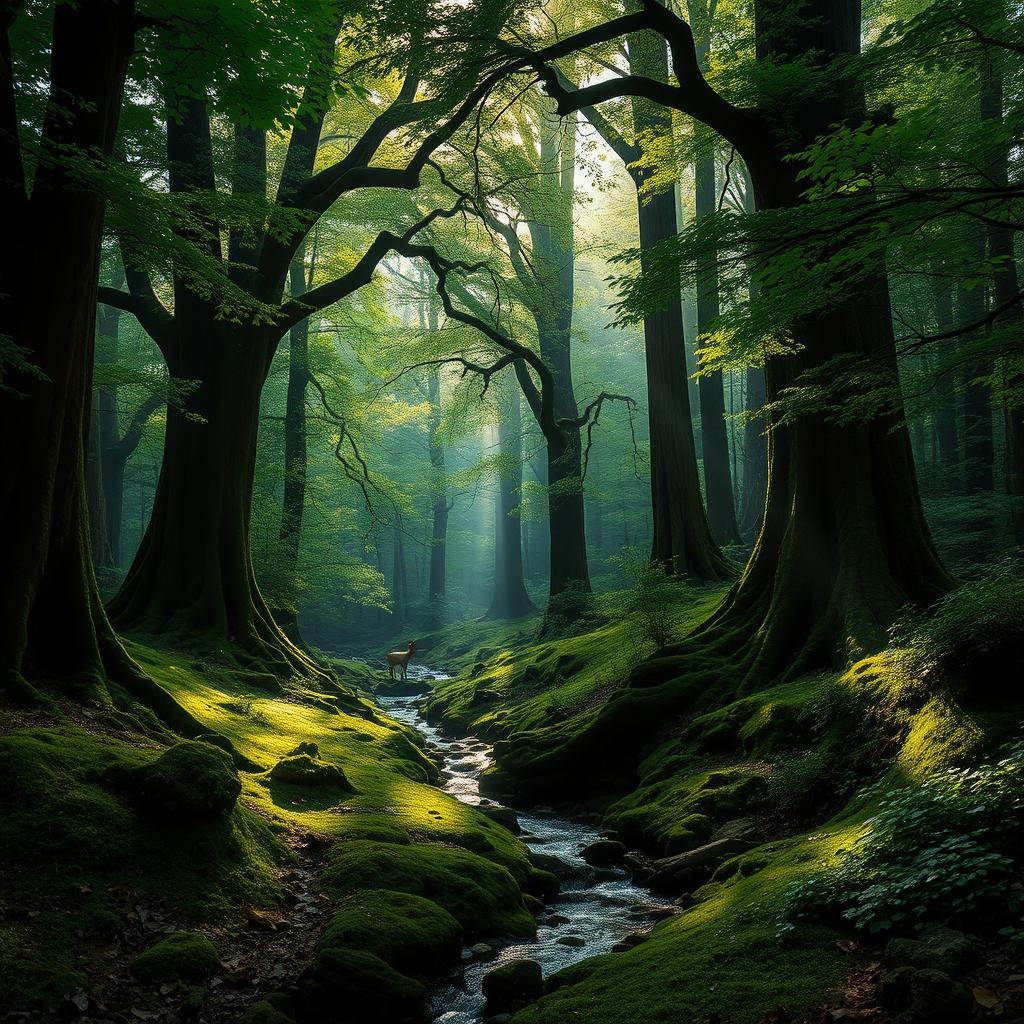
{"points": [[54, 626], [945, 412], [755, 456], [510, 599]]}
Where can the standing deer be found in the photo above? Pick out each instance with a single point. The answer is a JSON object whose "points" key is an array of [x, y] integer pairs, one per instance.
{"points": [[396, 658]]}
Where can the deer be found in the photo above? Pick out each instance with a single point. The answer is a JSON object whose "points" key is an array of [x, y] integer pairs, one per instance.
{"points": [[401, 658]]}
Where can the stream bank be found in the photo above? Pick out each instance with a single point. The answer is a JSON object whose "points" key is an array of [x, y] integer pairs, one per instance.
{"points": [[597, 910]]}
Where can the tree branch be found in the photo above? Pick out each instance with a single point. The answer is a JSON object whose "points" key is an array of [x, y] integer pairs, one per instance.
{"points": [[147, 309]]}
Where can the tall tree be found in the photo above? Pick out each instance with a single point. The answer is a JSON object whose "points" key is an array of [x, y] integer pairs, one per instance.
{"points": [[510, 599], [682, 540]]}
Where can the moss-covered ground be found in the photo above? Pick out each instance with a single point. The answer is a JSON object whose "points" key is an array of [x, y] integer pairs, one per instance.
{"points": [[94, 834], [682, 755]]}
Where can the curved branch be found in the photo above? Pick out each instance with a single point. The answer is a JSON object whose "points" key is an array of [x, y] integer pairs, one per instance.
{"points": [[148, 310]]}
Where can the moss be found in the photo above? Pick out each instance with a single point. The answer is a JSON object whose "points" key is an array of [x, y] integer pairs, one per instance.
{"points": [[263, 1012], [190, 781], [412, 934], [184, 956], [355, 986], [482, 896], [304, 770]]}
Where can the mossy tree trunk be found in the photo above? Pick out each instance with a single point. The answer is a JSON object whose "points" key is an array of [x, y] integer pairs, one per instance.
{"points": [[755, 456], [54, 626], [844, 542]]}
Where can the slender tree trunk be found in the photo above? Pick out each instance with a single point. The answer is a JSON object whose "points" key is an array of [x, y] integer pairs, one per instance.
{"points": [[715, 440], [438, 495], [1006, 286], [295, 455], [682, 539], [945, 411], [510, 599], [976, 405], [755, 456]]}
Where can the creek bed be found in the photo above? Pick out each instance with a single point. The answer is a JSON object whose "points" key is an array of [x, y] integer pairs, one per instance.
{"points": [[602, 905]]}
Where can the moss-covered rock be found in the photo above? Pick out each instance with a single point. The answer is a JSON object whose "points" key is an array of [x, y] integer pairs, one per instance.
{"points": [[189, 781], [303, 766], [481, 895], [264, 1012], [512, 986], [355, 986], [412, 934], [183, 956]]}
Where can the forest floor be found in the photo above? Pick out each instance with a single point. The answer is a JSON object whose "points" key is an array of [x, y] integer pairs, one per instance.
{"points": [[347, 878]]}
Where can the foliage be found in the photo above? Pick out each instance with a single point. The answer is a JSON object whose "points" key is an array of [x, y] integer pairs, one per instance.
{"points": [[944, 852]]}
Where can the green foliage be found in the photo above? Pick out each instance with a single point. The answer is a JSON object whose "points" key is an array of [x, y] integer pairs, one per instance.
{"points": [[944, 852]]}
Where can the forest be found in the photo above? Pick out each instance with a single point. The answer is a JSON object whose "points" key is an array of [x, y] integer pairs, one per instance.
{"points": [[511, 511]]}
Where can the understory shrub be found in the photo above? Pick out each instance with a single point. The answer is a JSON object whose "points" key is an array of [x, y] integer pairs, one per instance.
{"points": [[945, 852]]}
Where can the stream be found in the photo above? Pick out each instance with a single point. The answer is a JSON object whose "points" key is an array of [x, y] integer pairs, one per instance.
{"points": [[596, 908]]}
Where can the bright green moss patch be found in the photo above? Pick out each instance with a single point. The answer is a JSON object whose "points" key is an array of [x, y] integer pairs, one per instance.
{"points": [[482, 896], [412, 934], [186, 956]]}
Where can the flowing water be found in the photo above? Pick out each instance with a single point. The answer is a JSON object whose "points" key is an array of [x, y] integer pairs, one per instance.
{"points": [[602, 905]]}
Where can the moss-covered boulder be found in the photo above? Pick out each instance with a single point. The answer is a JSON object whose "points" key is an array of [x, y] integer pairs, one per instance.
{"points": [[183, 956], [263, 1012], [354, 986], [481, 895], [303, 766], [190, 780], [512, 986], [412, 934]]}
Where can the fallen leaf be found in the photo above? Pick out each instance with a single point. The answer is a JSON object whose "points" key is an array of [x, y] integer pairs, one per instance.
{"points": [[262, 918], [985, 998]]}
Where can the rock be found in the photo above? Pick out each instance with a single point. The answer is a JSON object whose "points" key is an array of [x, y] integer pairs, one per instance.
{"points": [[737, 828], [554, 920], [542, 884], [610, 833], [512, 986], [940, 949], [264, 1013], [189, 781], [504, 816], [533, 905], [242, 763], [686, 871], [549, 862], [652, 911], [364, 988], [304, 767], [936, 998], [182, 956], [481, 951], [571, 940], [635, 938], [638, 866], [621, 947], [605, 853], [894, 988]]}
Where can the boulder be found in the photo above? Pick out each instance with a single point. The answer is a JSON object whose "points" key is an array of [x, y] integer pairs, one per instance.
{"points": [[575, 941], [549, 862], [504, 816], [182, 956], [352, 985], [189, 781], [687, 871], [263, 1012], [605, 853], [940, 949], [303, 766], [512, 986]]}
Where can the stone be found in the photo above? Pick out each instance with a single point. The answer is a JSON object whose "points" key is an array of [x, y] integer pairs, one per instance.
{"points": [[638, 866], [556, 919], [936, 998], [737, 828], [512, 986], [549, 862], [307, 770], [575, 941], [368, 989], [687, 871], [940, 949], [481, 951], [635, 938], [504, 816], [621, 947], [189, 781], [182, 956], [604, 853]]}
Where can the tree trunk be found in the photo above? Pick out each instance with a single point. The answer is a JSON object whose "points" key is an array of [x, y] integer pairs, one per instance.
{"points": [[945, 396], [54, 626], [295, 456], [682, 539], [510, 599], [755, 456], [714, 438], [438, 495]]}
